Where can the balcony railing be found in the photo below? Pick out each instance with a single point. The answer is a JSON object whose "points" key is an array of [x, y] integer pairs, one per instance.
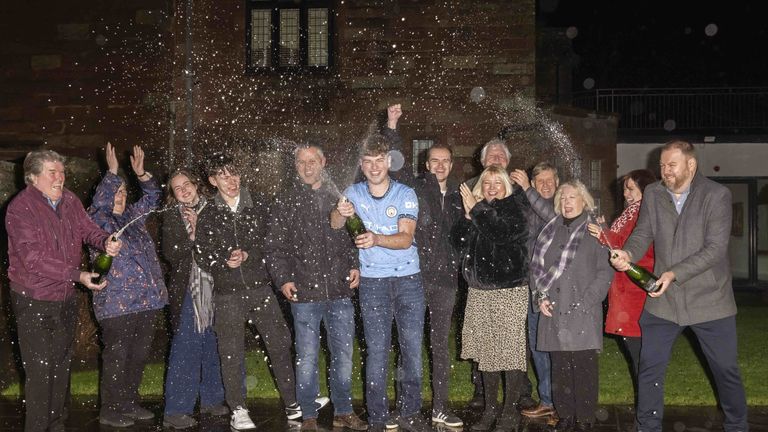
{"points": [[682, 108]]}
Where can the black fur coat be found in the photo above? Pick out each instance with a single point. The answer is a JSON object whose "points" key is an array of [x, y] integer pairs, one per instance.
{"points": [[492, 245]]}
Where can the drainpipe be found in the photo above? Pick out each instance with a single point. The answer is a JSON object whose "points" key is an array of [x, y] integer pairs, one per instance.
{"points": [[189, 76]]}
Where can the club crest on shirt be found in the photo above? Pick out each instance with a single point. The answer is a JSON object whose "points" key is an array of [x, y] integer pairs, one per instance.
{"points": [[391, 211]]}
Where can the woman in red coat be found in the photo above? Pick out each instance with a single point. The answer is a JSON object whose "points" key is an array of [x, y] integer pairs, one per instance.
{"points": [[625, 299]]}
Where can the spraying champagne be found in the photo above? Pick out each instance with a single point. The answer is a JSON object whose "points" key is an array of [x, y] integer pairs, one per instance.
{"points": [[639, 275]]}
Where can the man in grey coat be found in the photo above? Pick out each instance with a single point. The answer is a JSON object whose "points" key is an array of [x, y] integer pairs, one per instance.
{"points": [[688, 218]]}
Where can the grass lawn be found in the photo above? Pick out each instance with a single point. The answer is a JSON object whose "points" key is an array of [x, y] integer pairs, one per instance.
{"points": [[687, 383]]}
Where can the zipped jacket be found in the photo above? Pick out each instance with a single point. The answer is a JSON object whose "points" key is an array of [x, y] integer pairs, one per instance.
{"points": [[220, 231], [303, 248]]}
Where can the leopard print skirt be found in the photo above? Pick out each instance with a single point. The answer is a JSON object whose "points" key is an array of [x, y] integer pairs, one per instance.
{"points": [[494, 332]]}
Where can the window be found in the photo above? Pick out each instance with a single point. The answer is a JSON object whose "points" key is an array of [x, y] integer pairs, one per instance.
{"points": [[595, 174], [288, 35], [420, 147]]}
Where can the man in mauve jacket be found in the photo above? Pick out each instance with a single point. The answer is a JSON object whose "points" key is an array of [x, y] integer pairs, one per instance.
{"points": [[688, 218], [316, 268], [47, 227]]}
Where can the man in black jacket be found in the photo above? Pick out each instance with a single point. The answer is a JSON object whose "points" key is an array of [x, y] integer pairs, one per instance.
{"points": [[316, 268], [440, 269], [229, 245]]}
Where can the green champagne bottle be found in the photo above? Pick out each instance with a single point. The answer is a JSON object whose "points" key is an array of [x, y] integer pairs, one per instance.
{"points": [[355, 226], [642, 278], [101, 265]]}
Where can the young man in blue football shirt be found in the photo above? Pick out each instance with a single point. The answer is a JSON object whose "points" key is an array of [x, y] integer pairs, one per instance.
{"points": [[390, 284]]}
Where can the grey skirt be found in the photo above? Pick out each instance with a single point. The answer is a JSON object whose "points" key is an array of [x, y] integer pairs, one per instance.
{"points": [[494, 332]]}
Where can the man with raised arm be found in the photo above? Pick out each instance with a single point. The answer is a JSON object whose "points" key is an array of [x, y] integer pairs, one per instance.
{"points": [[390, 284]]}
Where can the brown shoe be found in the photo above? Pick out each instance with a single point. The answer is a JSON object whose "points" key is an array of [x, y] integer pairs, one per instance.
{"points": [[553, 419], [351, 421], [538, 411], [309, 424]]}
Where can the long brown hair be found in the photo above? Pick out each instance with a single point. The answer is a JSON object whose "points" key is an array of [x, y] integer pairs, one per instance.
{"points": [[170, 199]]}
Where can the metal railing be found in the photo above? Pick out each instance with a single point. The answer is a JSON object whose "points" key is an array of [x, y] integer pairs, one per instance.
{"points": [[742, 108]]}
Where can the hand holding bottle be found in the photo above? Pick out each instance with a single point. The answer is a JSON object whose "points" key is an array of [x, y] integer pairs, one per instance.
{"points": [[663, 283], [87, 278], [345, 207], [620, 260], [112, 246]]}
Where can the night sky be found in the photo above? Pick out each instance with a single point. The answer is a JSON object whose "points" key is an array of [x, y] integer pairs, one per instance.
{"points": [[672, 43]]}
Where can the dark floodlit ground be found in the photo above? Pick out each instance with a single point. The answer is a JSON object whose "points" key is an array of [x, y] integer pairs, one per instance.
{"points": [[268, 416]]}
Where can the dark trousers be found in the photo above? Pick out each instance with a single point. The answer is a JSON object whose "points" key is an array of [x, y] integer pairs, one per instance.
{"points": [[718, 343], [46, 331], [440, 302], [575, 384], [127, 340], [632, 345], [260, 308]]}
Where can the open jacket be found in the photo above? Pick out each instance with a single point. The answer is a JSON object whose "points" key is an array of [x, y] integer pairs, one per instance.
{"points": [[220, 231], [493, 244], [577, 316], [438, 259], [693, 245], [135, 280], [45, 246], [178, 250], [302, 247]]}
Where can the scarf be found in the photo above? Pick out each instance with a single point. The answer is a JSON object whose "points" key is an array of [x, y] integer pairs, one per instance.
{"points": [[200, 284], [544, 277]]}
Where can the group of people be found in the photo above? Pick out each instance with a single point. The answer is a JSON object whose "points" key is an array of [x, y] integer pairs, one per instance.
{"points": [[536, 263]]}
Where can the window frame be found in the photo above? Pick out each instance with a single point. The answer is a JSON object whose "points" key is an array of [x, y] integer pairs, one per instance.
{"points": [[275, 6]]}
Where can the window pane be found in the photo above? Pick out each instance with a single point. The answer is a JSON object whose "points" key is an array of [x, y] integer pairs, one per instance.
{"points": [[318, 37], [261, 37], [419, 148], [595, 174], [289, 37]]}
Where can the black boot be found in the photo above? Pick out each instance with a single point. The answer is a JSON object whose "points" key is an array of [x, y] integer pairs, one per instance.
{"points": [[491, 387], [478, 399], [514, 382]]}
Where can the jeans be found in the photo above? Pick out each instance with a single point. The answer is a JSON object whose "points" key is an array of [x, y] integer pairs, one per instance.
{"points": [[718, 343], [46, 331], [541, 360], [339, 318], [127, 340], [440, 302], [193, 366], [381, 299], [260, 308]]}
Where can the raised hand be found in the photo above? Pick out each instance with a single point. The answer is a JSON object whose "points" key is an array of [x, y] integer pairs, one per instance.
{"points": [[467, 199], [112, 164], [521, 178], [393, 115], [137, 161]]}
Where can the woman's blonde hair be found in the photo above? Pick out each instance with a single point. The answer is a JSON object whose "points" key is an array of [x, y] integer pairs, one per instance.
{"points": [[589, 202], [500, 172]]}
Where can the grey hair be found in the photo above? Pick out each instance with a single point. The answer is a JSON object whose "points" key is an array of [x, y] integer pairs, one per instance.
{"points": [[589, 202], [494, 142], [545, 166], [33, 163], [308, 146]]}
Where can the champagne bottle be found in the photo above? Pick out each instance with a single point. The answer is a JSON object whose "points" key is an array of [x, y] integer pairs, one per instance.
{"points": [[101, 265], [642, 278], [355, 226]]}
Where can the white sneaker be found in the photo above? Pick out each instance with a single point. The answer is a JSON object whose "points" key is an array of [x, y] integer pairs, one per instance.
{"points": [[241, 420], [293, 411]]}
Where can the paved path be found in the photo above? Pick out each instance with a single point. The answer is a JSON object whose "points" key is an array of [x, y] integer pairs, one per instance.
{"points": [[268, 416]]}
